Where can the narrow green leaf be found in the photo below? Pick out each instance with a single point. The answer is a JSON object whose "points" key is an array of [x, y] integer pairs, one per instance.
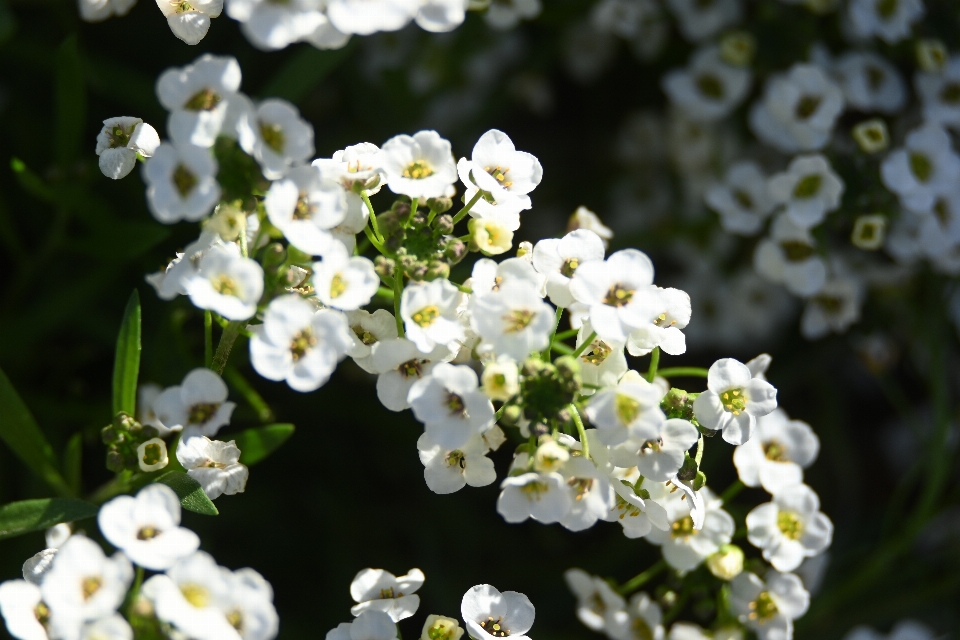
{"points": [[126, 365], [72, 456], [192, 497], [18, 518], [304, 70], [71, 101], [8, 23], [21, 433], [256, 444]]}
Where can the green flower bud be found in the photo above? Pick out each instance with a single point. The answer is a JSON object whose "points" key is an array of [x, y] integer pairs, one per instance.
{"points": [[110, 435], [437, 269], [384, 266], [444, 225], [274, 256], [115, 461], [440, 205]]}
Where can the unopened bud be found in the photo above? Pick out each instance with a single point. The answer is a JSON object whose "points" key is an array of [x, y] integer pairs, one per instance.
{"points": [[454, 250], [727, 563], [525, 250], [440, 205], [737, 48], [437, 269], [550, 456], [441, 628], [489, 237], [110, 435], [511, 415], [500, 381], [932, 55], [444, 225], [115, 461], [273, 256], [384, 266]]}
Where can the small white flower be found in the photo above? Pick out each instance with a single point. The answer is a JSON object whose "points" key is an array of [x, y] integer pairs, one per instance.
{"points": [[939, 93], [640, 620], [147, 527], [488, 275], [119, 142], [190, 19], [181, 183], [789, 256], [369, 329], [708, 88], [798, 110], [701, 20], [353, 166], [629, 410], [429, 312], [83, 585], [343, 281], [450, 405], [56, 535], [790, 527], [99, 10], [770, 607], [778, 452], [660, 457], [637, 515], [673, 310], [369, 625], [298, 343], [596, 599], [275, 135], [733, 400], [688, 631], [489, 236], [441, 628], [500, 379], [684, 546], [364, 17], [490, 614], [939, 232], [113, 627], [440, 16], [171, 282], [545, 497], [584, 218], [602, 363], [512, 321], [270, 25], [192, 596], [923, 168], [558, 259], [152, 455], [419, 166], [449, 470], [381, 591], [808, 189], [903, 630], [742, 199], [834, 308], [37, 566], [870, 82], [307, 207], [198, 405], [613, 289], [889, 21], [249, 607], [198, 97], [23, 610], [227, 283], [592, 492], [214, 464], [400, 364], [507, 14]]}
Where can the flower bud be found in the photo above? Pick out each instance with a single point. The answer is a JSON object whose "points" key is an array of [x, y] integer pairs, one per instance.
{"points": [[152, 455], [525, 250], [727, 563], [441, 628], [115, 461], [738, 48], [489, 237], [274, 256], [384, 266], [871, 135], [932, 55], [110, 435], [500, 381], [454, 250], [511, 415], [444, 225], [868, 232], [440, 205], [550, 456], [437, 269]]}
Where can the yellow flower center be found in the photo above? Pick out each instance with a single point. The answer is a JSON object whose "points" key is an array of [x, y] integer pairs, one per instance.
{"points": [[337, 286], [733, 401], [205, 99], [426, 316], [763, 608], [90, 586], [418, 170], [596, 353], [495, 627], [790, 525], [225, 285], [195, 594], [627, 408], [569, 266], [618, 296], [775, 451], [518, 320], [201, 412], [499, 174], [184, 180], [683, 528], [301, 343], [147, 533]]}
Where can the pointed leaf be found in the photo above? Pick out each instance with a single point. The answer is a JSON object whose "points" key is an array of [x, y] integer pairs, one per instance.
{"points": [[126, 365], [18, 518], [192, 497], [256, 444], [21, 433]]}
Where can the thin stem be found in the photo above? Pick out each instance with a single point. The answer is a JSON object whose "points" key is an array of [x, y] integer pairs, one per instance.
{"points": [[682, 372], [545, 356], [373, 216], [466, 209], [730, 492], [462, 288], [654, 363], [414, 203], [578, 421], [254, 399], [207, 338], [700, 449], [499, 413], [230, 334], [397, 295], [134, 591], [641, 579], [376, 243], [385, 293], [243, 237], [565, 335], [586, 343], [559, 347]]}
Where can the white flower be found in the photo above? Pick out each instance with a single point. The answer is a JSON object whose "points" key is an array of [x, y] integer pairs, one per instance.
{"points": [[684, 546], [190, 19], [889, 21], [708, 89], [903, 630], [558, 259], [613, 289], [440, 16], [197, 97], [56, 535], [638, 516], [512, 321], [249, 607], [152, 455], [490, 614], [660, 457], [835, 307], [192, 596], [602, 363], [769, 608], [870, 82], [742, 200], [489, 275], [629, 410], [688, 631], [593, 494], [275, 135], [369, 331], [759, 365], [596, 599], [503, 175], [198, 405], [37, 566], [701, 20], [226, 282], [776, 455], [343, 281], [798, 110], [306, 207], [640, 620], [119, 142], [298, 343], [545, 497], [113, 627], [584, 218], [429, 312], [147, 527], [507, 14], [369, 625], [672, 309], [400, 364], [83, 585], [441, 628], [500, 379], [214, 464], [923, 168], [381, 591], [939, 93], [98, 10], [357, 163], [23, 610], [181, 183], [489, 236], [171, 282], [419, 166], [450, 405], [808, 189], [272, 25], [733, 400], [789, 256], [364, 17], [449, 470], [790, 527], [939, 231]]}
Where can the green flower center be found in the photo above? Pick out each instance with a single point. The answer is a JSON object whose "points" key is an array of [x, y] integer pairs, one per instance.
{"points": [[205, 99], [627, 408], [774, 451], [364, 336], [442, 630], [710, 86], [42, 613], [152, 454], [273, 136], [201, 412], [807, 106], [921, 166], [337, 286], [886, 8], [518, 320], [418, 170], [456, 458], [118, 137], [184, 180], [763, 608], [456, 405], [950, 93], [411, 368], [235, 618], [301, 343], [797, 251], [743, 198], [790, 525], [618, 296], [733, 401], [426, 316], [596, 353], [808, 186], [304, 209], [683, 528]]}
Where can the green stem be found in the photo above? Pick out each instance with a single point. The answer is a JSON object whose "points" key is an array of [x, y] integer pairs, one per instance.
{"points": [[254, 399], [385, 293], [414, 204], [461, 287], [134, 591], [207, 338], [397, 295], [545, 356], [466, 209], [565, 335], [682, 372], [373, 216], [578, 421], [641, 579], [230, 334], [654, 363], [376, 243], [243, 237], [560, 347], [586, 343], [499, 413], [730, 492]]}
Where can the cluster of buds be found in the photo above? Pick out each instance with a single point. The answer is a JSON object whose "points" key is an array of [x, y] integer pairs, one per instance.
{"points": [[420, 240], [545, 392], [133, 446]]}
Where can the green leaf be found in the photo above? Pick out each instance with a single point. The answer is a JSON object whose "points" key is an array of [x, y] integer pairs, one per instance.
{"points": [[18, 518], [126, 364], [303, 71], [21, 433], [192, 497], [72, 456], [256, 444], [71, 101]]}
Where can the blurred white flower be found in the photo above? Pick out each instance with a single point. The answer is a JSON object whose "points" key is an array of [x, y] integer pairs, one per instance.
{"points": [[275, 135], [925, 167], [274, 25], [889, 21], [369, 329], [742, 199], [307, 207], [683, 545], [558, 259], [776, 455], [808, 189], [597, 602], [631, 410], [789, 257], [834, 308], [401, 364], [198, 97], [198, 405], [450, 405], [249, 605], [870, 82], [507, 14], [99, 10], [701, 20], [23, 610], [708, 88], [614, 289], [181, 183], [639, 620], [769, 608]]}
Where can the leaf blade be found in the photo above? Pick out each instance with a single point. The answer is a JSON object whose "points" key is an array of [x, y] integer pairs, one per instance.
{"points": [[192, 497], [126, 364], [18, 518], [258, 443]]}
